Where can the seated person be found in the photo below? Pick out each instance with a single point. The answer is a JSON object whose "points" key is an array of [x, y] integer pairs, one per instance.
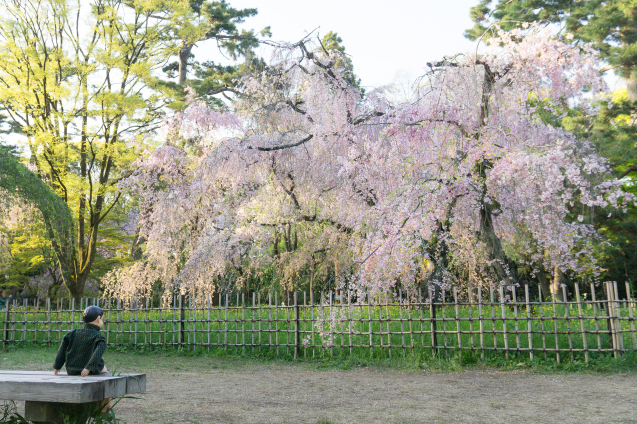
{"points": [[82, 349]]}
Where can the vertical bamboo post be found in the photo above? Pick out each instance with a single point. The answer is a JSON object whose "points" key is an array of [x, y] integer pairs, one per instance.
{"points": [[297, 329], [444, 322], [269, 318], [243, 320], [48, 318], [582, 323], [219, 305], [108, 321], [432, 317], [594, 300], [146, 324], [529, 322], [340, 309], [459, 333], [470, 307], [610, 324], [541, 307], [6, 323], [276, 322], [492, 306], [307, 308], [402, 326], [371, 324], [254, 322], [567, 308], [388, 323], [225, 328], [182, 313], [259, 321], [136, 318], [350, 321], [208, 301], [555, 329], [409, 319], [25, 304], [618, 319], [504, 323], [312, 319], [481, 318], [421, 306], [629, 303], [37, 316], [331, 327], [609, 321], [516, 318], [117, 322]]}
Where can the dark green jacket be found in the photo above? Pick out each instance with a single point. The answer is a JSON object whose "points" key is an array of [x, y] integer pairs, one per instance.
{"points": [[3, 302], [82, 348]]}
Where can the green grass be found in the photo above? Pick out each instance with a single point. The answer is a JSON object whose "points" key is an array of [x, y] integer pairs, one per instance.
{"points": [[158, 359], [393, 331]]}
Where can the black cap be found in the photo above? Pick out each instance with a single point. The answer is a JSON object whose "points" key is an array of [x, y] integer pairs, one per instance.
{"points": [[91, 313]]}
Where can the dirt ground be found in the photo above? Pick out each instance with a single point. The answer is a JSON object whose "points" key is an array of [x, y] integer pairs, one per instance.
{"points": [[223, 390], [289, 394]]}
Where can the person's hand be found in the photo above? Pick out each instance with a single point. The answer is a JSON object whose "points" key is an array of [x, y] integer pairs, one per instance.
{"points": [[10, 296], [85, 372], [56, 372]]}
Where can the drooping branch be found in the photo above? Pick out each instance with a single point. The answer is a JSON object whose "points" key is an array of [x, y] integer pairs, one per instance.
{"points": [[283, 146]]}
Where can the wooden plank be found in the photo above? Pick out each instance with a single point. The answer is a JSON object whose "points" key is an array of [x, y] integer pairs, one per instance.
{"points": [[46, 387]]}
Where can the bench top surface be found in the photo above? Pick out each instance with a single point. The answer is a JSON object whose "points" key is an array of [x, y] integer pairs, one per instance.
{"points": [[44, 386]]}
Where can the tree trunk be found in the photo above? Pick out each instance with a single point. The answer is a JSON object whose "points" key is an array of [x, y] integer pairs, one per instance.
{"points": [[555, 284], [184, 54], [545, 286]]}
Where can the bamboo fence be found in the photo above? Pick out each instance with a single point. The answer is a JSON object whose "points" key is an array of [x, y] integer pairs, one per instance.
{"points": [[479, 321]]}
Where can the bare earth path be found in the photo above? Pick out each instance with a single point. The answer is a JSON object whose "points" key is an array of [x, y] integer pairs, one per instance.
{"points": [[224, 390], [279, 394]]}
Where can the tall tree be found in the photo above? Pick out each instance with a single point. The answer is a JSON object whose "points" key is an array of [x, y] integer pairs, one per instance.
{"points": [[610, 25], [468, 168], [193, 22], [611, 28], [78, 79]]}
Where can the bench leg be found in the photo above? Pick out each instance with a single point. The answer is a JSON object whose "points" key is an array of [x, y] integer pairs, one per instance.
{"points": [[54, 413]]}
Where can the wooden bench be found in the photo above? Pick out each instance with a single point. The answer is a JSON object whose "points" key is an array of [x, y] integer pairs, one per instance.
{"points": [[49, 397]]}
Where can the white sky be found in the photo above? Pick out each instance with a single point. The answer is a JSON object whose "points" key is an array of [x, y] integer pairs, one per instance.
{"points": [[389, 41], [384, 38]]}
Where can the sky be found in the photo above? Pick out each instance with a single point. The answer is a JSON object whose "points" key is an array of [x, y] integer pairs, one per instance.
{"points": [[386, 39]]}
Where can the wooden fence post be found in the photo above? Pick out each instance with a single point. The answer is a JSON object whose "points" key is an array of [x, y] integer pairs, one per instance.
{"points": [[617, 313], [181, 320], [582, 322], [297, 334], [631, 305], [432, 316], [6, 323], [48, 318]]}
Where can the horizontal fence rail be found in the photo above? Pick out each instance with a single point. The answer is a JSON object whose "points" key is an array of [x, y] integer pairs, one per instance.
{"points": [[481, 320]]}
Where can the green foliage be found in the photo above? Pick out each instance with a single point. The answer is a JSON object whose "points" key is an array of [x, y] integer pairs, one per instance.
{"points": [[332, 42], [18, 181], [207, 20], [608, 25], [79, 80]]}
